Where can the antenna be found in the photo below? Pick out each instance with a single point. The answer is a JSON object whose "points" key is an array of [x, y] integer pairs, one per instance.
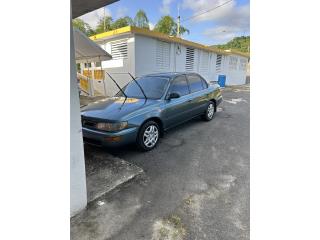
{"points": [[178, 30]]}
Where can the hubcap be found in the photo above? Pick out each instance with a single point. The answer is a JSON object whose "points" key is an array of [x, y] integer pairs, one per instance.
{"points": [[210, 110], [150, 136]]}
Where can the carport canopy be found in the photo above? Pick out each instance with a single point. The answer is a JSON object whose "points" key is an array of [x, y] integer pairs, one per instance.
{"points": [[86, 50], [81, 7]]}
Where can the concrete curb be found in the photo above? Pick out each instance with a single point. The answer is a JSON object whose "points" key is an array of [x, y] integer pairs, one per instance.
{"points": [[106, 172]]}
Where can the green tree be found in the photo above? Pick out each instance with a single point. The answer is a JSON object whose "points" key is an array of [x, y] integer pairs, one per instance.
{"points": [[122, 22], [141, 20], [241, 44], [83, 26], [104, 24], [168, 26]]}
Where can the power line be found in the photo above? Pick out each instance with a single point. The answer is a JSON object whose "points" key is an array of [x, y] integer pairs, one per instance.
{"points": [[194, 16]]}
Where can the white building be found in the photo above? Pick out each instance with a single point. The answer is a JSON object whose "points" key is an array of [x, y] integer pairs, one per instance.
{"points": [[141, 51]]}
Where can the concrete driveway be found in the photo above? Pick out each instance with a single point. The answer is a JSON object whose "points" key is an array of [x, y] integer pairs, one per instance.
{"points": [[195, 183]]}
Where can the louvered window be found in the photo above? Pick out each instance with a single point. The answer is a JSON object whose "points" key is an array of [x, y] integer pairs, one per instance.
{"points": [[119, 49], [190, 59], [163, 56], [204, 63], [218, 63]]}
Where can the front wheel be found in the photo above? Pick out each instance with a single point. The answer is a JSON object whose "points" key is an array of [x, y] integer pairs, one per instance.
{"points": [[209, 114], [148, 136]]}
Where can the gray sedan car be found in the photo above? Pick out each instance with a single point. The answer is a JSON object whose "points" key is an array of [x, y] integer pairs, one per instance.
{"points": [[145, 108]]}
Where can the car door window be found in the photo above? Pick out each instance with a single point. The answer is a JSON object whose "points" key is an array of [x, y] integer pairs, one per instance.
{"points": [[195, 83], [180, 86]]}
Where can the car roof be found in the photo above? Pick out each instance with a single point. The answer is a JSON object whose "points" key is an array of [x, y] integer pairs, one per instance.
{"points": [[167, 74]]}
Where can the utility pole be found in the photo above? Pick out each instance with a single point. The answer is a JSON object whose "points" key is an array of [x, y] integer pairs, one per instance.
{"points": [[104, 18], [178, 30]]}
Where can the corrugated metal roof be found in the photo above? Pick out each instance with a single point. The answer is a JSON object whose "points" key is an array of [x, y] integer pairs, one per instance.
{"points": [[165, 37]]}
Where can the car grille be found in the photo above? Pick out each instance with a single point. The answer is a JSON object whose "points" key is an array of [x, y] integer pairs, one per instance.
{"points": [[92, 141], [88, 123]]}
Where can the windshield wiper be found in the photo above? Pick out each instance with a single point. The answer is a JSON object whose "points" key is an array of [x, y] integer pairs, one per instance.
{"points": [[138, 85], [117, 85]]}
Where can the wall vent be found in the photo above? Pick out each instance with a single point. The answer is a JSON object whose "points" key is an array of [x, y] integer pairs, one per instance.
{"points": [[218, 63], [119, 49], [190, 59]]}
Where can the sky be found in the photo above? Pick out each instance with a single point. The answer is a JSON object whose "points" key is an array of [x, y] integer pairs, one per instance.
{"points": [[213, 27]]}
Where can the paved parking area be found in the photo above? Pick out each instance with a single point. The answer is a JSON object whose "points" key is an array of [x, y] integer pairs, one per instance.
{"points": [[195, 184]]}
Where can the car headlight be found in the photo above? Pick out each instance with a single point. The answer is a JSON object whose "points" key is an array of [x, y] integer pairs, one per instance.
{"points": [[112, 127]]}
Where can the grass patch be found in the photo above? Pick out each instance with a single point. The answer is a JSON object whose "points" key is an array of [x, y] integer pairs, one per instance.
{"points": [[170, 228]]}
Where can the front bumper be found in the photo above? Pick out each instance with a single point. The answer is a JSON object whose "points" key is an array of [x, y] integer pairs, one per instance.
{"points": [[219, 100], [109, 139]]}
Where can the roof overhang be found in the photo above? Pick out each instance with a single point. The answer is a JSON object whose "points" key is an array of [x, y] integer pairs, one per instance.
{"points": [[87, 50], [81, 7]]}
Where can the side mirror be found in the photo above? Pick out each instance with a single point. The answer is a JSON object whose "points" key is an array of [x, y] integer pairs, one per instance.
{"points": [[173, 95]]}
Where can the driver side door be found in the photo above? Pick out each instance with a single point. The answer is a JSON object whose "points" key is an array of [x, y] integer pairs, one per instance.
{"points": [[177, 110]]}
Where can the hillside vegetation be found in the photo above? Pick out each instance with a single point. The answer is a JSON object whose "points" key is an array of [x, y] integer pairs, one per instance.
{"points": [[241, 44]]}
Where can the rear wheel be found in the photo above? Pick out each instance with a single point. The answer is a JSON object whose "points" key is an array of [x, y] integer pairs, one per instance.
{"points": [[210, 111], [148, 136]]}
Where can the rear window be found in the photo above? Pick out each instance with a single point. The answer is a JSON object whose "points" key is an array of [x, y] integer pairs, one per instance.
{"points": [[195, 83], [204, 83]]}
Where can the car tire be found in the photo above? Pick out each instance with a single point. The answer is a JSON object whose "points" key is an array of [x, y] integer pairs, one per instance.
{"points": [[210, 112], [148, 136]]}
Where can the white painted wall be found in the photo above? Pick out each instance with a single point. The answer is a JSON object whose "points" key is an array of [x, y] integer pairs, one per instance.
{"points": [[78, 190], [145, 55], [124, 65], [141, 60], [235, 75], [212, 67], [205, 65], [180, 61]]}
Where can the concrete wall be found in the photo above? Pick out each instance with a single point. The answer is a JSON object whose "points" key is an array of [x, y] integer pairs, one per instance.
{"points": [[146, 63], [145, 58], [123, 65], [180, 58], [145, 55], [236, 73], [142, 59], [78, 190], [207, 65]]}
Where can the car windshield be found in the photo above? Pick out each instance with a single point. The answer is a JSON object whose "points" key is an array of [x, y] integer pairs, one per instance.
{"points": [[153, 87]]}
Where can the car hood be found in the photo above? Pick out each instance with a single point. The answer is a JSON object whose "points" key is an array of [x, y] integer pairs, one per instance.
{"points": [[115, 108]]}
